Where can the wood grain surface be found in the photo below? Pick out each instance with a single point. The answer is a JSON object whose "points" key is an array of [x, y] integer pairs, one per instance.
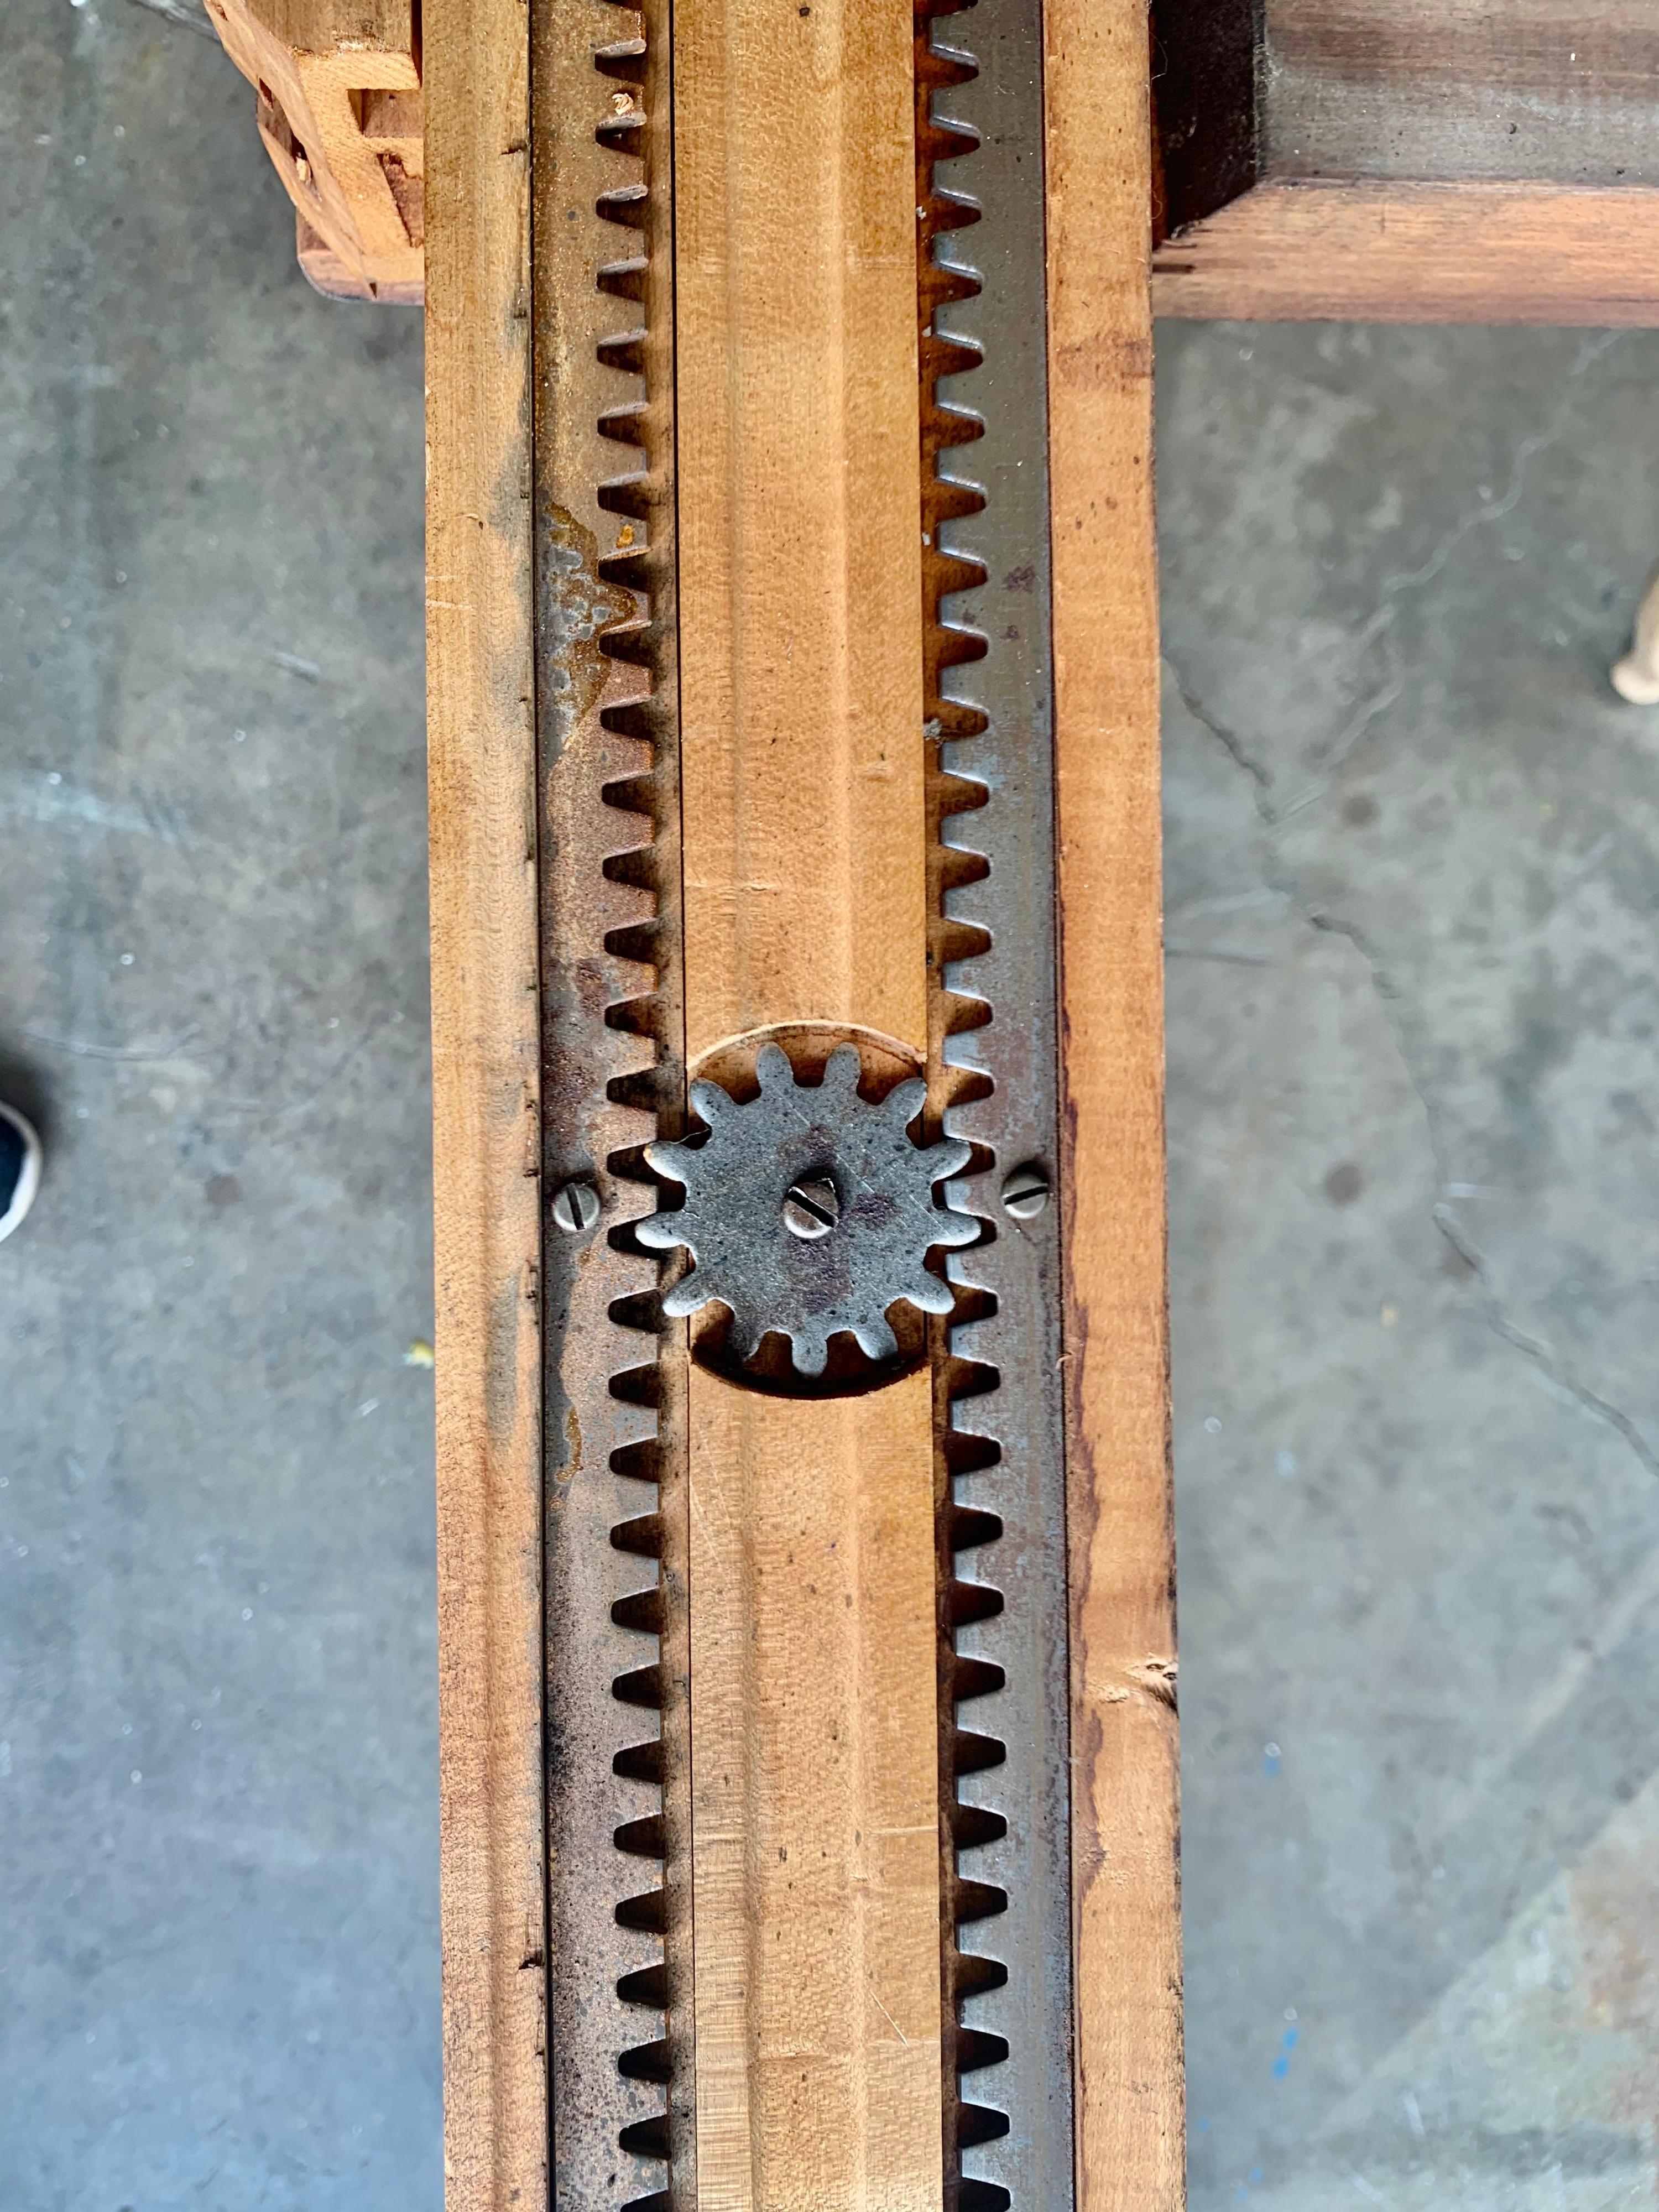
{"points": [[815, 1794], [485, 1105], [1419, 254], [1529, 91], [799, 480], [814, 1697], [1408, 161], [1124, 1769], [338, 105]]}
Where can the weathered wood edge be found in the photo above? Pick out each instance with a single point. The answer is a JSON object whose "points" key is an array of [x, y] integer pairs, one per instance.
{"points": [[1321, 250], [485, 1054], [311, 62], [1130, 2149]]}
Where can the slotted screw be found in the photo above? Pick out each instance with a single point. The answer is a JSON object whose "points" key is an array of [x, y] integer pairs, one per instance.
{"points": [[1025, 1193], [576, 1207], [812, 1209]]}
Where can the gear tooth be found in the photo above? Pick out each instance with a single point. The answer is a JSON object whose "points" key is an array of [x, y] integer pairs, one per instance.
{"points": [[709, 1103], [744, 1335], [842, 1069], [658, 1233], [959, 1199], [773, 1068], [951, 1230], [903, 1102], [948, 1157], [687, 1296], [930, 1295], [810, 1353], [876, 1337], [667, 1159], [968, 1274]]}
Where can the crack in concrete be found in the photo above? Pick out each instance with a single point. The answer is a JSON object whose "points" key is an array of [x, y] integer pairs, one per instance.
{"points": [[1397, 1013], [1396, 589], [1489, 510], [1554, 1364], [1230, 741], [1310, 794]]}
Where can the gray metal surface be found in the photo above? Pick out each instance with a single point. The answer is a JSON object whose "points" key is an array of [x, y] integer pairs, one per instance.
{"points": [[1018, 1120], [749, 1259]]}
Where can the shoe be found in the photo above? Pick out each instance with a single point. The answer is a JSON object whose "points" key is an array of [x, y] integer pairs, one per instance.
{"points": [[20, 1168]]}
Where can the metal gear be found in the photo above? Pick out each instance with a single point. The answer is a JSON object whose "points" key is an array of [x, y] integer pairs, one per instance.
{"points": [[809, 1210]]}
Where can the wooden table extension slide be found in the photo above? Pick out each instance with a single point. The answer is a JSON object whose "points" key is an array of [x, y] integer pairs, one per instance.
{"points": [[810, 1788]]}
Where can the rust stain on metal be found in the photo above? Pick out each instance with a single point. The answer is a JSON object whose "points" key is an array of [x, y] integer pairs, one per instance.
{"points": [[577, 605]]}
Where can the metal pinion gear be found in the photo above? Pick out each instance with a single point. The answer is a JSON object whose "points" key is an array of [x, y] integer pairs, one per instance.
{"points": [[809, 1210]]}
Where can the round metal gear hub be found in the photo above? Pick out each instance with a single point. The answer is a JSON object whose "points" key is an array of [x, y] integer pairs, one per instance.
{"points": [[808, 1210]]}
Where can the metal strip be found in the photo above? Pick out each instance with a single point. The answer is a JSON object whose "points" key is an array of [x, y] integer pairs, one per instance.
{"points": [[601, 938], [1017, 1049], [612, 1044]]}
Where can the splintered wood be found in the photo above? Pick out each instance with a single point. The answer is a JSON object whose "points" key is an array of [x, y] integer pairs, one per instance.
{"points": [[340, 112], [814, 1711]]}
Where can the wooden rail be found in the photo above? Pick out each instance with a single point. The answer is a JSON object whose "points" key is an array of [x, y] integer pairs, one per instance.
{"points": [[1125, 1765], [486, 1052]]}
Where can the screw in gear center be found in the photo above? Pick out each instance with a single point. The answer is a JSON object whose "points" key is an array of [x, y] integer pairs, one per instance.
{"points": [[742, 1221]]}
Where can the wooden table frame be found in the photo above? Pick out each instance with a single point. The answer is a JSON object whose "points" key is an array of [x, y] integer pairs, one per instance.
{"points": [[406, 147]]}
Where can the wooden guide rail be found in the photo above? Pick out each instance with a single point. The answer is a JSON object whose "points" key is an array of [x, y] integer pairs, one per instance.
{"points": [[1126, 1767], [815, 1877], [486, 1056]]}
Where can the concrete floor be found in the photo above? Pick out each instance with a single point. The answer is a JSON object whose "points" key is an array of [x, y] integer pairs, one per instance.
{"points": [[1415, 1217], [218, 1908], [1413, 855]]}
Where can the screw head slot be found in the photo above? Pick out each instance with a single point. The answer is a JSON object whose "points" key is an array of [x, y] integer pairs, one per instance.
{"points": [[812, 1208], [1025, 1193], [576, 1207]]}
